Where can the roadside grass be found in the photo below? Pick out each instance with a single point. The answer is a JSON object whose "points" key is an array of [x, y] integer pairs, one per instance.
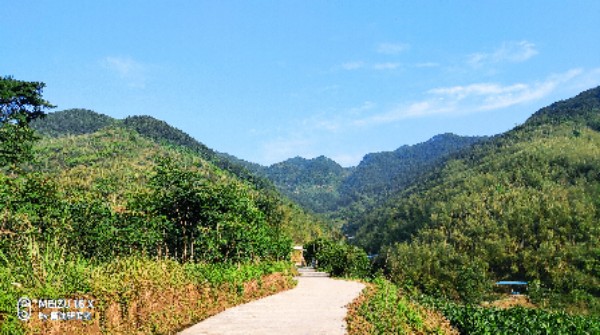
{"points": [[382, 308], [474, 319], [131, 295]]}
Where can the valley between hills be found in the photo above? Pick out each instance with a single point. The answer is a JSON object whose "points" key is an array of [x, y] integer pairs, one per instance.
{"points": [[163, 231]]}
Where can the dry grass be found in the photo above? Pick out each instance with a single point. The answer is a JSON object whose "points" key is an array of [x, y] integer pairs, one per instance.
{"points": [[159, 310], [361, 310]]}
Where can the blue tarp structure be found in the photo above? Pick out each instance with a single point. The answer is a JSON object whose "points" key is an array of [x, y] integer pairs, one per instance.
{"points": [[511, 283]]}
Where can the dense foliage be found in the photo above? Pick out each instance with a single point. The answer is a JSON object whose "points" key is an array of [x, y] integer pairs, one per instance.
{"points": [[475, 320], [115, 193], [383, 308], [383, 173], [72, 122], [337, 258], [119, 159], [312, 183], [20, 103], [134, 294], [81, 121], [89, 199], [323, 186], [524, 205]]}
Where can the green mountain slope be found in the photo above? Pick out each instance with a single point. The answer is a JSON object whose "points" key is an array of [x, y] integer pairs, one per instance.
{"points": [[116, 164], [312, 183], [524, 205], [386, 172], [380, 175], [323, 186], [81, 121], [71, 122]]}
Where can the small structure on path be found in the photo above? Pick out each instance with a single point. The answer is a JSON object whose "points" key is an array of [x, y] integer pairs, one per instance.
{"points": [[298, 256]]}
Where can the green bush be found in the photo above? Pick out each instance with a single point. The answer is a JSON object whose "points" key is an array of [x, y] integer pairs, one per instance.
{"points": [[338, 258], [471, 319]]}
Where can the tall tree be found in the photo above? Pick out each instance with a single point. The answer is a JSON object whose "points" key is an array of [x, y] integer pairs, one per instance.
{"points": [[20, 103]]}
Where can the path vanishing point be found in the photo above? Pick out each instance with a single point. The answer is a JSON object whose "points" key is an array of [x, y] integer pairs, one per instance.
{"points": [[317, 305]]}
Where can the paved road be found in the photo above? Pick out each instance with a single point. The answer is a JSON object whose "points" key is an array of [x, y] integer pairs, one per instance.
{"points": [[315, 306]]}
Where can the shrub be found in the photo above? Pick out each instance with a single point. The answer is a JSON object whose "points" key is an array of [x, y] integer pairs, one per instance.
{"points": [[338, 258]]}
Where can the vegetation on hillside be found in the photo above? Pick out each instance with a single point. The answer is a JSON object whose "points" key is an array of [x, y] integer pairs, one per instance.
{"points": [[82, 121], [76, 206], [21, 102], [312, 183], [383, 308], [447, 217], [383, 173], [524, 205], [344, 194]]}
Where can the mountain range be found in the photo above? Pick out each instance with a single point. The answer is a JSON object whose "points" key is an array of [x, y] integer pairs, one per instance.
{"points": [[451, 214], [319, 184]]}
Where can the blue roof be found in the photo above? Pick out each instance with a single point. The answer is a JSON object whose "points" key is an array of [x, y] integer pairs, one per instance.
{"points": [[511, 283]]}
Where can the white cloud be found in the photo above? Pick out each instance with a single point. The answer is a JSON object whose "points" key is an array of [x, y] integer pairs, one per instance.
{"points": [[513, 52], [473, 98], [427, 64], [392, 48], [352, 65], [386, 66], [461, 92], [413, 110], [128, 69], [490, 96]]}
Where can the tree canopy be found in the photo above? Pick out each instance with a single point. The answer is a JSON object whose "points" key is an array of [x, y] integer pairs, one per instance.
{"points": [[20, 103]]}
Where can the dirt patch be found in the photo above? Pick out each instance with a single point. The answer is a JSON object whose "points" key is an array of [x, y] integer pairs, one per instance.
{"points": [[511, 301]]}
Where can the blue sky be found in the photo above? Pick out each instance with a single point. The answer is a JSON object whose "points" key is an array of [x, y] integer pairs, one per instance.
{"points": [[270, 80]]}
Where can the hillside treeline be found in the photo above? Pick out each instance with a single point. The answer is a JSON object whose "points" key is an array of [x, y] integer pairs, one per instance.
{"points": [[522, 206], [99, 197]]}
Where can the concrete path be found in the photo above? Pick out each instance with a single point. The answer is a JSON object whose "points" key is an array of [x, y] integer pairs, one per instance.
{"points": [[317, 305]]}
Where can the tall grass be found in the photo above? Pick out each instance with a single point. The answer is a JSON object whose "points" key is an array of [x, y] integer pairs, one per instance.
{"points": [[45, 270]]}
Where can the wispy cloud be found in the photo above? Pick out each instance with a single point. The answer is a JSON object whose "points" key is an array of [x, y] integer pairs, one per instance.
{"points": [[386, 66], [128, 69], [352, 65], [413, 110], [490, 96], [427, 64], [454, 101], [305, 138], [392, 48], [513, 52]]}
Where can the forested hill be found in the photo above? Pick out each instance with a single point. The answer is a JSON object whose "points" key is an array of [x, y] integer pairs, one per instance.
{"points": [[323, 186], [319, 185], [523, 205], [83, 121], [313, 183], [387, 172]]}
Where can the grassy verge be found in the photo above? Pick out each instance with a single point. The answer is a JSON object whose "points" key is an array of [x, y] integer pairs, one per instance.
{"points": [[383, 309], [470, 319], [137, 295]]}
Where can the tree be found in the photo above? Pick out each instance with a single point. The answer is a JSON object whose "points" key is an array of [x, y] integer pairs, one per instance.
{"points": [[20, 103]]}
